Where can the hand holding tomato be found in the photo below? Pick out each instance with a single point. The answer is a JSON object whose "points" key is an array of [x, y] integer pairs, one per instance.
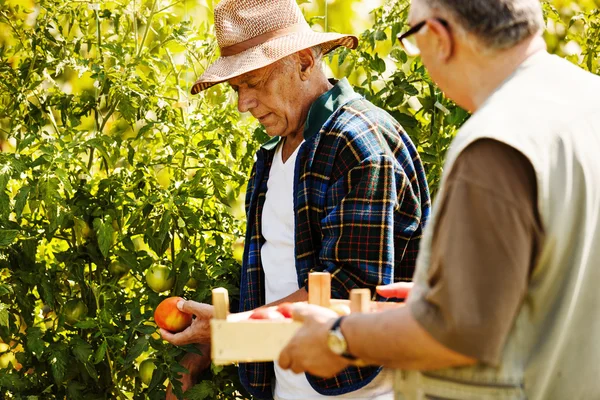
{"points": [[168, 317], [198, 331]]}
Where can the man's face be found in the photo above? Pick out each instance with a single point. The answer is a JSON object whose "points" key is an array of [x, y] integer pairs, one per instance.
{"points": [[437, 47], [270, 94]]}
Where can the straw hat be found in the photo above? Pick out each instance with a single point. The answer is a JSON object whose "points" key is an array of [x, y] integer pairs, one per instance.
{"points": [[255, 33]]}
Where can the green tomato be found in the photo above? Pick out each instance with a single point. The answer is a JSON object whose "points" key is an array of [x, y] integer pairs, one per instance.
{"points": [[157, 277], [118, 269], [147, 368], [192, 283], [74, 310]]}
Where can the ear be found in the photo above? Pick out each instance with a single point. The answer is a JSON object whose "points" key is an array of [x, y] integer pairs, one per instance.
{"points": [[442, 38], [306, 63]]}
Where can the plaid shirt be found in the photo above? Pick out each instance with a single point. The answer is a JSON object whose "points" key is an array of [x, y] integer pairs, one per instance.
{"points": [[360, 203]]}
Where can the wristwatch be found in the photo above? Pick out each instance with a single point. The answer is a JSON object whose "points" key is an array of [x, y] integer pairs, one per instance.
{"points": [[337, 342]]}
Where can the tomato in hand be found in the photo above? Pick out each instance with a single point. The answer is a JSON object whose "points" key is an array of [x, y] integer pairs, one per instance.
{"points": [[168, 316]]}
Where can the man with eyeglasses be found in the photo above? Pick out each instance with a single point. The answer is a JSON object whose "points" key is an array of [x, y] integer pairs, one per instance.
{"points": [[505, 302]]}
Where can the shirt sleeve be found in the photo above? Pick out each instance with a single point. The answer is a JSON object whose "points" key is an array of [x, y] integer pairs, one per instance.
{"points": [[483, 248]]}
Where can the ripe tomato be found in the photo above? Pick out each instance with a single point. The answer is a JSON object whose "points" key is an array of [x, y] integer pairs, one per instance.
{"points": [[157, 277], [266, 313], [168, 317], [147, 368], [286, 309], [74, 310]]}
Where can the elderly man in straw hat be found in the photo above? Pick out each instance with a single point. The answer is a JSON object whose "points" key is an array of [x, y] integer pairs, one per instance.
{"points": [[339, 187], [505, 303]]}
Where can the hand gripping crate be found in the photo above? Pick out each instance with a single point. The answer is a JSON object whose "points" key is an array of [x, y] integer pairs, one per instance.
{"points": [[235, 338]]}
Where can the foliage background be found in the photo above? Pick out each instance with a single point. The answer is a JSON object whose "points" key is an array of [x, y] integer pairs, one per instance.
{"points": [[108, 161]]}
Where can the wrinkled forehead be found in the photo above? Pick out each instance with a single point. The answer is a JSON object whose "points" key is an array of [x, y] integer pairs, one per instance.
{"points": [[251, 76]]}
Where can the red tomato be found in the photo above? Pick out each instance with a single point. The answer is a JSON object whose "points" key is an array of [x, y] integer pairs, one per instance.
{"points": [[266, 313], [168, 317], [286, 309]]}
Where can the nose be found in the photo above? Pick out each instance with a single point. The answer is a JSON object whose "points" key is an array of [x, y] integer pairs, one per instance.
{"points": [[246, 100]]}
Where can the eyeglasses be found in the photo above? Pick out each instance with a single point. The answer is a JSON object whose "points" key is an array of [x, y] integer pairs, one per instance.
{"points": [[408, 40]]}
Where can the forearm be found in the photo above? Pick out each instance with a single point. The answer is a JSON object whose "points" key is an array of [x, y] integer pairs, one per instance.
{"points": [[299, 295], [395, 339]]}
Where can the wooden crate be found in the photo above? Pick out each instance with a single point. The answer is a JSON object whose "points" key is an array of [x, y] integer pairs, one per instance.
{"points": [[235, 338]]}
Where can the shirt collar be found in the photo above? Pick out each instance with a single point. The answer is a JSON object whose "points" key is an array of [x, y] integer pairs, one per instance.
{"points": [[321, 110]]}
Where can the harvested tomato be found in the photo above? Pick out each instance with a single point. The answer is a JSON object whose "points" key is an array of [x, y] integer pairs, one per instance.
{"points": [[286, 309], [266, 313]]}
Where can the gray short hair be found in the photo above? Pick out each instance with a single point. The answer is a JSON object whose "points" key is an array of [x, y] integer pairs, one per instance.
{"points": [[498, 24]]}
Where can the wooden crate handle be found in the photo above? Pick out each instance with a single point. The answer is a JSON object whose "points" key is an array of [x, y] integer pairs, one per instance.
{"points": [[360, 300], [319, 288], [220, 298]]}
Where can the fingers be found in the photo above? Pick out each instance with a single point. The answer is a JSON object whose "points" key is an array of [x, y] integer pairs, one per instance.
{"points": [[301, 312], [200, 310], [177, 339], [285, 360], [398, 289]]}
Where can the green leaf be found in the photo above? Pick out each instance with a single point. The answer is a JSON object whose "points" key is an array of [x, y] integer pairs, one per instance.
{"points": [[21, 199], [395, 99], [201, 391], [7, 236], [104, 232], [138, 348], [380, 35], [34, 342], [59, 360], [5, 289], [100, 352], [3, 315], [81, 350], [128, 256]]}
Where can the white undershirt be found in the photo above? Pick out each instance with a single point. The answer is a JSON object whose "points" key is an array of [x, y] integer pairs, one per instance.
{"points": [[281, 279]]}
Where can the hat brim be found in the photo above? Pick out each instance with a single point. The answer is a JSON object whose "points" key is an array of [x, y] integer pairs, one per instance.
{"points": [[225, 68]]}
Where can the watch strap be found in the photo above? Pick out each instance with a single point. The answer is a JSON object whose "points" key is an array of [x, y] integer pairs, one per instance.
{"points": [[336, 327]]}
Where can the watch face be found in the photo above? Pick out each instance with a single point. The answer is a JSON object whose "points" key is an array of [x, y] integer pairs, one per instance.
{"points": [[336, 342]]}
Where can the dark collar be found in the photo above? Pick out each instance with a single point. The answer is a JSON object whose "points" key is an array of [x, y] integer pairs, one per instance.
{"points": [[321, 110]]}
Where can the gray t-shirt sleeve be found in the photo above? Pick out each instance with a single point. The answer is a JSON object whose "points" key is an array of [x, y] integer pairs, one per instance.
{"points": [[483, 248]]}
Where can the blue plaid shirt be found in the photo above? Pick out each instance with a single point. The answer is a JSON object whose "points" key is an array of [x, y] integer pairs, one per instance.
{"points": [[360, 203]]}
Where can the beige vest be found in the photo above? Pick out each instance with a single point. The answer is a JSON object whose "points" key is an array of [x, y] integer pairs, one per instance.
{"points": [[550, 111]]}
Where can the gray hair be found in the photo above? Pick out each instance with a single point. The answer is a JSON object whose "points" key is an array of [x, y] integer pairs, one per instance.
{"points": [[498, 24], [317, 52]]}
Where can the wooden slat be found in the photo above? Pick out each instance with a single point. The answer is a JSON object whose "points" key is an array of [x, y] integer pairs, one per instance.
{"points": [[360, 300], [248, 341], [319, 288], [220, 298]]}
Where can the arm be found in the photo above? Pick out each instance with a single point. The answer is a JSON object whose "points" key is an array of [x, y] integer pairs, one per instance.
{"points": [[417, 350], [373, 338]]}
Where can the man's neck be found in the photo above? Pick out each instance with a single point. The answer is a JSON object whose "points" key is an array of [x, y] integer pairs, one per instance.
{"points": [[488, 73], [293, 140]]}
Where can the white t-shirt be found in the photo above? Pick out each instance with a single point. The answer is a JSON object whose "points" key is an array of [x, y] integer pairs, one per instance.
{"points": [[281, 279]]}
